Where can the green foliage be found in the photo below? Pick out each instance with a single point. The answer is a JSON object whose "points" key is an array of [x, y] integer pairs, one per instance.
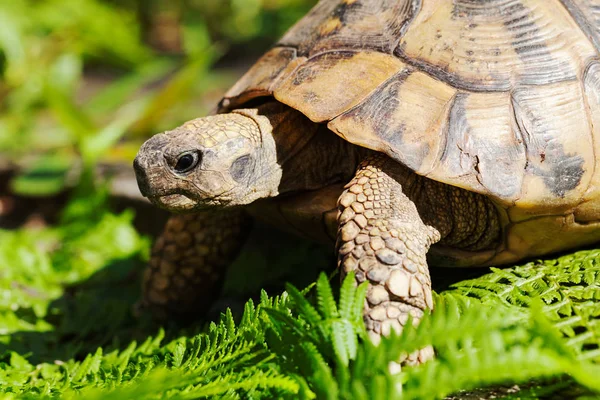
{"points": [[477, 344], [40, 314], [222, 362], [568, 287], [51, 331], [239, 21], [67, 329], [45, 46], [489, 346]]}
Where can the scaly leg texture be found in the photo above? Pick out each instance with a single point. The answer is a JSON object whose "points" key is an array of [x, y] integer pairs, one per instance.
{"points": [[189, 261], [383, 239]]}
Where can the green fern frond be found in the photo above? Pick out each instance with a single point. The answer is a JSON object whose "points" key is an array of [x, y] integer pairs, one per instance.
{"points": [[229, 360], [352, 300], [515, 352], [484, 346], [333, 365], [89, 366], [325, 300], [569, 288], [344, 340], [359, 299], [347, 300], [478, 343], [306, 310], [320, 374]]}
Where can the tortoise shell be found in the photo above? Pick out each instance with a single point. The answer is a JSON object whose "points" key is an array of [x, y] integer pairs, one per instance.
{"points": [[500, 97]]}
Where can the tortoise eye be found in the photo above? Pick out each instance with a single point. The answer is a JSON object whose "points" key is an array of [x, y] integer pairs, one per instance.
{"points": [[186, 162]]}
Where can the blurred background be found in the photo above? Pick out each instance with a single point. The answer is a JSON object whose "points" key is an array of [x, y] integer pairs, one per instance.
{"points": [[84, 82]]}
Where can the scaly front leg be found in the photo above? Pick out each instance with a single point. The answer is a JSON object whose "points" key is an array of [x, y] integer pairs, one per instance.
{"points": [[383, 239], [189, 261]]}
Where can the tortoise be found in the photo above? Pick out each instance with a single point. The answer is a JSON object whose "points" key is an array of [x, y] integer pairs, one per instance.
{"points": [[459, 133]]}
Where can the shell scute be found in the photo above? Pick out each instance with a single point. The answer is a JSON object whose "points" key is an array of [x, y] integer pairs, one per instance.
{"points": [[403, 117], [259, 79], [555, 130], [330, 83], [357, 25], [590, 206], [496, 44], [587, 15], [481, 151]]}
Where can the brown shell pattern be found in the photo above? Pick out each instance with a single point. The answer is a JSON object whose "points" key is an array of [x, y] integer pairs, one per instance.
{"points": [[500, 97]]}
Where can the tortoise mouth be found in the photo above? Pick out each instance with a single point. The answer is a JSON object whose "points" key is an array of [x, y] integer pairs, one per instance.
{"points": [[174, 202]]}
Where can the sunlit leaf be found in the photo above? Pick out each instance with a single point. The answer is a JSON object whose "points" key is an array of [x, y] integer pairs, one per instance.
{"points": [[46, 175]]}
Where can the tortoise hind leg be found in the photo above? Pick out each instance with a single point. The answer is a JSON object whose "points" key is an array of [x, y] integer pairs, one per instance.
{"points": [[189, 261], [382, 238]]}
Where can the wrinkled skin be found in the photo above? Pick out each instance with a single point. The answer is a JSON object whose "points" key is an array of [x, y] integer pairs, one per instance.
{"points": [[221, 160]]}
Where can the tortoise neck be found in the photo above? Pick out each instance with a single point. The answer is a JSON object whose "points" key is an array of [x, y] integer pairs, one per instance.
{"points": [[310, 155]]}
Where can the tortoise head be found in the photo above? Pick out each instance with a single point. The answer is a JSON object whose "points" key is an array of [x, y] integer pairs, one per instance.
{"points": [[220, 160]]}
